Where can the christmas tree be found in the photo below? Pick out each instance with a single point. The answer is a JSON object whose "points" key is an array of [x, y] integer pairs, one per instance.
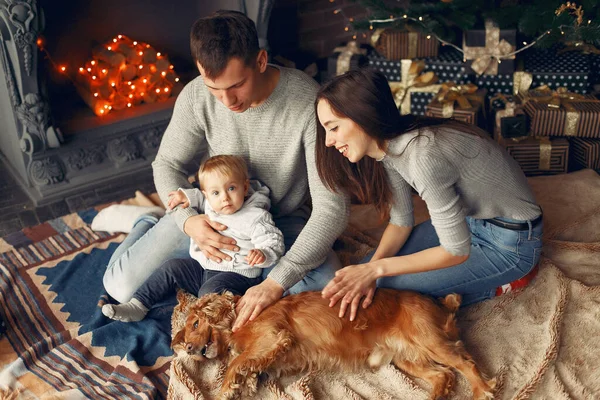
{"points": [[546, 22]]}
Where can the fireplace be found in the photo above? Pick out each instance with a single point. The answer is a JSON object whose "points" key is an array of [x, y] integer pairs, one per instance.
{"points": [[52, 142]]}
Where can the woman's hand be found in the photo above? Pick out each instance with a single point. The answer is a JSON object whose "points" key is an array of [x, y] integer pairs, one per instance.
{"points": [[350, 285]]}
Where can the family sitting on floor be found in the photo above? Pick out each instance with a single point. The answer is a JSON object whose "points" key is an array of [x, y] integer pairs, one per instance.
{"points": [[282, 159]]}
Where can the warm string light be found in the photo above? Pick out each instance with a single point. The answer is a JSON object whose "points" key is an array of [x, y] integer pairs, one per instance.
{"points": [[420, 19], [109, 80]]}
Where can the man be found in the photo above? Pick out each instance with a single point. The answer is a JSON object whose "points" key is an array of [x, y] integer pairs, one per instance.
{"points": [[240, 105]]}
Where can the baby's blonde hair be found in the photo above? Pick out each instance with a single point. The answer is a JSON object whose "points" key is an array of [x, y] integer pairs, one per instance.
{"points": [[226, 165]]}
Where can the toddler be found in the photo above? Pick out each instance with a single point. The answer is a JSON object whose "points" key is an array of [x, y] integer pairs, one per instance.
{"points": [[227, 196]]}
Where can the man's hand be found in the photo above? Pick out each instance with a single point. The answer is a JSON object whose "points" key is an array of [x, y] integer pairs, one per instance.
{"points": [[203, 231], [256, 299], [255, 257]]}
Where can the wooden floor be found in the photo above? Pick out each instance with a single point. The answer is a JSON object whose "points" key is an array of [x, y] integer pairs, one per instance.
{"points": [[18, 212]]}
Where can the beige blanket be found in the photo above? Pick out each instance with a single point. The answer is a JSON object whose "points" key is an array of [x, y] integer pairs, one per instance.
{"points": [[540, 343]]}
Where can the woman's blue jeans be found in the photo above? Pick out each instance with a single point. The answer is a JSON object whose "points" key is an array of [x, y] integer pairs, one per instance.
{"points": [[498, 256]]}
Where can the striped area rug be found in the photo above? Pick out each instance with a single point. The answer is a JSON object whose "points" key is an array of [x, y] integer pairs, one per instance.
{"points": [[57, 343]]}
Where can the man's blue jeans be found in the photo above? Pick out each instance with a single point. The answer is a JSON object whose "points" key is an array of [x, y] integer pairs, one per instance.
{"points": [[498, 256], [151, 242]]}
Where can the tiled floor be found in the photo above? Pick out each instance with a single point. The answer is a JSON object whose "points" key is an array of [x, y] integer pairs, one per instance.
{"points": [[18, 212]]}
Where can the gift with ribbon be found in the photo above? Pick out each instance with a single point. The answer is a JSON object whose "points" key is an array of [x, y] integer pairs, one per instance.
{"points": [[495, 56], [561, 113], [510, 121], [585, 153], [539, 155], [461, 102], [345, 58], [398, 44], [413, 80]]}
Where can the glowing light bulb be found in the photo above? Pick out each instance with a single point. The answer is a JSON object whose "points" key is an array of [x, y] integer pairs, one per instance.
{"points": [[405, 16], [94, 77], [104, 71], [113, 84], [420, 18], [93, 62], [110, 107], [129, 83], [132, 86], [371, 27], [141, 53], [157, 54], [81, 69], [89, 70], [157, 90], [346, 29], [165, 74], [589, 21], [63, 69], [95, 94], [131, 96], [176, 79], [353, 37], [101, 111], [135, 43], [141, 66], [144, 80], [105, 106], [141, 94], [171, 67], [109, 48], [120, 36], [115, 40], [428, 36], [166, 89], [128, 104], [337, 11], [524, 43]]}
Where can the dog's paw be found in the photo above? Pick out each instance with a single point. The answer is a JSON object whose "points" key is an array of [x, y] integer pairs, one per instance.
{"points": [[486, 393]]}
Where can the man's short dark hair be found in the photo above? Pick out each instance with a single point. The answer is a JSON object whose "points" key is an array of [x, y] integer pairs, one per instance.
{"points": [[219, 37]]}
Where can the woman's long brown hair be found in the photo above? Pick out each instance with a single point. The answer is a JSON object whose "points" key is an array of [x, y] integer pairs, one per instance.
{"points": [[365, 97]]}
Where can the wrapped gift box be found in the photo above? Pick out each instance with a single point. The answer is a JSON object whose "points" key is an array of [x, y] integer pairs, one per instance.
{"points": [[352, 57], [570, 70], [585, 153], [539, 156], [391, 69], [574, 118], [472, 115], [419, 102], [509, 119], [396, 44], [448, 65], [594, 77], [501, 83], [479, 45]]}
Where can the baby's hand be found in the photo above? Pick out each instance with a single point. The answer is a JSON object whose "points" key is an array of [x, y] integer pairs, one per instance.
{"points": [[177, 198], [255, 257]]}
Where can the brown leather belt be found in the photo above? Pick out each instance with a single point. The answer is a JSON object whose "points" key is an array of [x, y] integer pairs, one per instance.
{"points": [[514, 226]]}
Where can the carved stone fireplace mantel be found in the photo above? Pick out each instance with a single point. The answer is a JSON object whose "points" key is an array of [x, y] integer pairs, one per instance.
{"points": [[53, 159]]}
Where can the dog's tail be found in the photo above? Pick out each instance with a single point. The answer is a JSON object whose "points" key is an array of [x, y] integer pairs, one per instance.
{"points": [[451, 302]]}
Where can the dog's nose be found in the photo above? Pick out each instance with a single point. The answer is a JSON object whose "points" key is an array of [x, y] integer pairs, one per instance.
{"points": [[189, 347]]}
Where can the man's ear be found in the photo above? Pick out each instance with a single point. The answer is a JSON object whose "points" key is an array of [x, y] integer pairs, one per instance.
{"points": [[178, 339], [261, 60]]}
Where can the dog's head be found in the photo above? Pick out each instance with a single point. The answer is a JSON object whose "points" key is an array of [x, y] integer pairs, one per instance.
{"points": [[208, 327]]}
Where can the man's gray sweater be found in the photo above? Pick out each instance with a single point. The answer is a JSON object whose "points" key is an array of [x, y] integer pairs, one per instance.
{"points": [[277, 140]]}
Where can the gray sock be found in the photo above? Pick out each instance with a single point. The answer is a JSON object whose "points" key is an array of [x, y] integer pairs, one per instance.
{"points": [[131, 311]]}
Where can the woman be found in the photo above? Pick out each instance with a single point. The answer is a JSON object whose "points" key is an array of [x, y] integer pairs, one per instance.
{"points": [[485, 228]]}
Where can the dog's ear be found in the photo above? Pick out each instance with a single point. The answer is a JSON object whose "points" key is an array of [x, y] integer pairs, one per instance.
{"points": [[178, 339]]}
